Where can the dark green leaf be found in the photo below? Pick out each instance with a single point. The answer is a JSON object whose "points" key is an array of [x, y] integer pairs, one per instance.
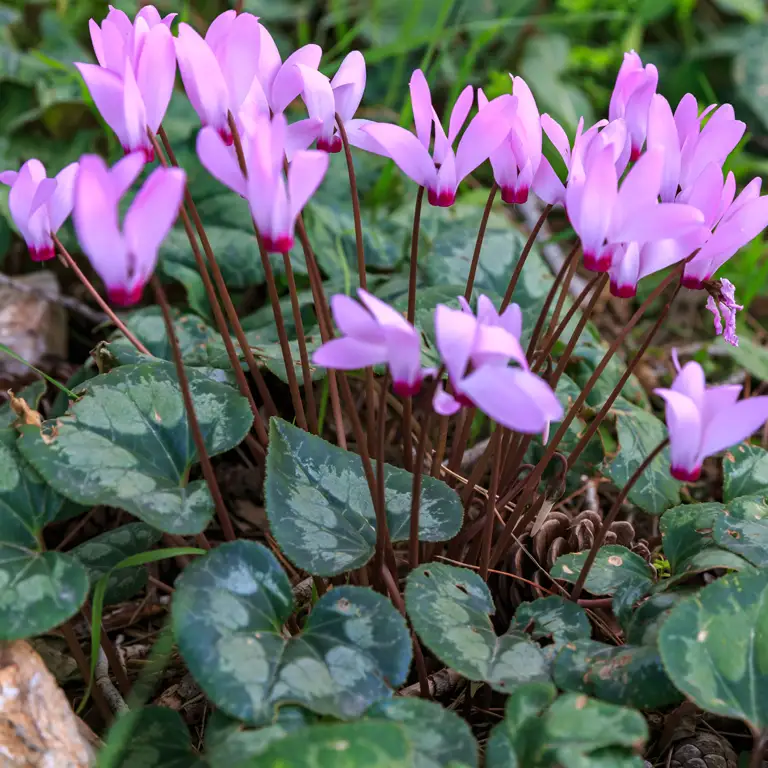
{"points": [[745, 471], [639, 433], [127, 443], [367, 744], [629, 675], [449, 609], [645, 623], [320, 509], [552, 618], [154, 737], [228, 612], [103, 552], [625, 597], [438, 735], [714, 648], [614, 567], [742, 527]]}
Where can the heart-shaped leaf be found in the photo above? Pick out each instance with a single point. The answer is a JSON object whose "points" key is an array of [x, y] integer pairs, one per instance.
{"points": [[320, 509], [572, 731], [742, 527], [438, 735], [745, 471], [629, 675], [154, 737], [614, 566], [38, 589], [126, 443], [552, 618], [449, 609], [103, 552], [714, 649], [366, 744], [639, 433], [646, 622], [688, 542], [230, 742], [228, 611]]}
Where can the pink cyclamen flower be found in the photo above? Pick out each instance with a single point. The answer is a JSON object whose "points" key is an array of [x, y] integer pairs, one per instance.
{"points": [[274, 206], [220, 72], [124, 259], [326, 98], [518, 157], [605, 214], [39, 205], [133, 83], [703, 421], [373, 334], [722, 304], [476, 352], [631, 98], [442, 171]]}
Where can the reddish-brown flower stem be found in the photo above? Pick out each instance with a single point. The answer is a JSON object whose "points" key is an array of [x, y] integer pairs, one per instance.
{"points": [[418, 471], [611, 517], [461, 437], [218, 315], [442, 442], [381, 501], [116, 321], [490, 510], [369, 378], [274, 299], [418, 656], [571, 261], [523, 257], [590, 287], [194, 425], [535, 476], [84, 667], [413, 271], [479, 241]]}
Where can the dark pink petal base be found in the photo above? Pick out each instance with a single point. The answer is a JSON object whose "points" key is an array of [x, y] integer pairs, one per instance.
{"points": [[686, 475], [694, 283], [332, 145], [46, 253], [122, 297], [513, 196], [279, 244], [595, 263], [623, 291], [406, 388], [444, 199]]}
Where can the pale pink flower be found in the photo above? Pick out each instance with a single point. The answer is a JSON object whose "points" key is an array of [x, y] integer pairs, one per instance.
{"points": [[703, 421], [39, 205], [631, 98], [124, 257]]}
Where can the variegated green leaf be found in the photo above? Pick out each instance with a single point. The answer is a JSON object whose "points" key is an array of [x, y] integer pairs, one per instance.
{"points": [[745, 471], [320, 509], [614, 566], [714, 647], [554, 619], [228, 611], [449, 609], [742, 527], [126, 443]]}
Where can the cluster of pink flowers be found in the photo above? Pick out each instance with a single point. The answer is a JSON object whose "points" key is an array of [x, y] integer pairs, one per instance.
{"points": [[643, 190]]}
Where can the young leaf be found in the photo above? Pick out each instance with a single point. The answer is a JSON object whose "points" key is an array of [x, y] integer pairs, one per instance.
{"points": [[572, 731], [126, 443], [614, 566], [714, 650], [552, 618], [320, 509], [103, 552], [366, 744], [438, 735], [745, 471], [449, 609], [629, 675], [39, 589], [228, 611], [639, 433]]}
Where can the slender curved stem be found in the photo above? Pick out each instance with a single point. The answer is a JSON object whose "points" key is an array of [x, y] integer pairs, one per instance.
{"points": [[413, 539], [418, 656], [479, 241], [612, 515], [194, 425], [277, 312], [381, 501], [523, 256], [490, 511], [572, 262], [535, 476], [442, 442], [369, 394], [218, 315], [116, 321], [408, 401]]}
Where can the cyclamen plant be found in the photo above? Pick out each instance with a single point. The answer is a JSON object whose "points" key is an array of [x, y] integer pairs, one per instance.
{"points": [[406, 564]]}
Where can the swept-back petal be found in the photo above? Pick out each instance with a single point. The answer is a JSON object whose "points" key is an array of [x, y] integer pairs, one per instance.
{"points": [[734, 424], [287, 84], [349, 84], [349, 354], [352, 319], [318, 96], [61, 202], [658, 222], [220, 161], [157, 74], [484, 134], [106, 90], [592, 215], [455, 333], [662, 134], [460, 112], [124, 172], [305, 174], [685, 431], [405, 150], [421, 104]]}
